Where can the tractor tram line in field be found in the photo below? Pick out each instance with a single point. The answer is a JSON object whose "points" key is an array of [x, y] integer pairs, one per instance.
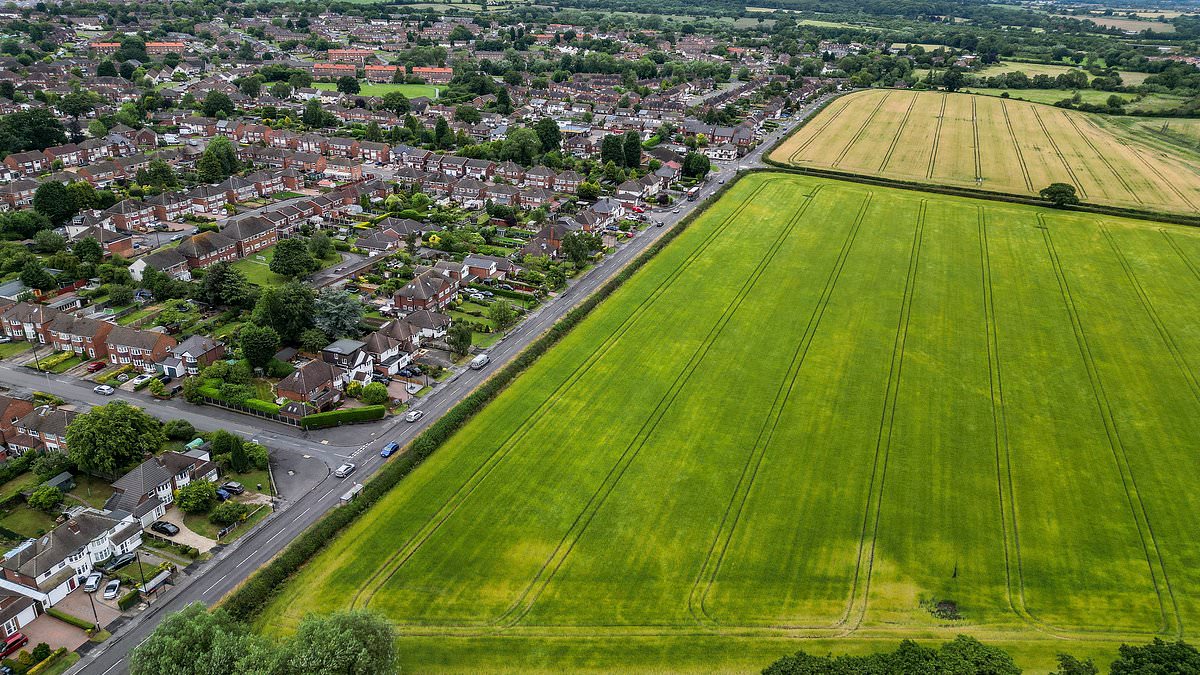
{"points": [[733, 511], [548, 571], [1012, 135], [1103, 158], [1054, 145], [832, 118], [871, 517], [937, 135], [368, 590], [858, 134], [1179, 252], [1154, 560], [887, 156]]}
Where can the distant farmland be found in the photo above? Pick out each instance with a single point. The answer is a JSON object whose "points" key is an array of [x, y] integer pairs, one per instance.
{"points": [[821, 413], [994, 144]]}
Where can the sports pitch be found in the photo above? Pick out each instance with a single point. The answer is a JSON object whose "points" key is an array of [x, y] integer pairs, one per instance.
{"points": [[994, 144], [821, 411]]}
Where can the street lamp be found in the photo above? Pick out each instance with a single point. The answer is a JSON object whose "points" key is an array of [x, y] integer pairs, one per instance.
{"points": [[95, 616]]}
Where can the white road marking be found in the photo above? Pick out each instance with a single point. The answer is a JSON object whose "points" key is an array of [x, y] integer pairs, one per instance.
{"points": [[215, 583], [275, 535], [113, 666]]}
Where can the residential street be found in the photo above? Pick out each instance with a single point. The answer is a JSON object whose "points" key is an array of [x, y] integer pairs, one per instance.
{"points": [[313, 490]]}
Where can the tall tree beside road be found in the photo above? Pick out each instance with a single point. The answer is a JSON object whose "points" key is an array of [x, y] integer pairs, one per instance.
{"points": [[612, 149], [458, 338], [108, 438], [696, 165], [354, 642]]}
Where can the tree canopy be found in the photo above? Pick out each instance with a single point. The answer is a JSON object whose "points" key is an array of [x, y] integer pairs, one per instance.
{"points": [[108, 438]]}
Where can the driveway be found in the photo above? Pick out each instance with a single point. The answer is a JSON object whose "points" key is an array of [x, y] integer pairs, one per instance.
{"points": [[76, 604], [185, 536], [55, 633]]}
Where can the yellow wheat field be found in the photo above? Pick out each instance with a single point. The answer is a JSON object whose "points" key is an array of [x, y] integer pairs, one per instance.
{"points": [[995, 144]]}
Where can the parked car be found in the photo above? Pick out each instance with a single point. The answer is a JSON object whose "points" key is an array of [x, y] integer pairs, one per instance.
{"points": [[637, 209], [389, 449], [413, 415], [164, 378], [506, 287], [96, 366], [488, 294], [91, 582], [4, 339], [117, 562], [233, 487], [163, 527], [478, 297], [178, 237], [344, 470], [104, 390], [123, 377], [140, 379], [13, 643], [112, 589], [222, 495]]}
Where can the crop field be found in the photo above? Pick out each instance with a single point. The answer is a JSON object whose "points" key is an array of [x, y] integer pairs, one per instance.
{"points": [[994, 144], [822, 411]]}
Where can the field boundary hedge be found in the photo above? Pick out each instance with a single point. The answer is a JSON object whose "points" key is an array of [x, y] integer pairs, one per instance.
{"points": [[958, 191], [249, 599]]}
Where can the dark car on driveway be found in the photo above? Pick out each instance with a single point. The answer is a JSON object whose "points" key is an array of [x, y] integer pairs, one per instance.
{"points": [[233, 487], [117, 562], [163, 527]]}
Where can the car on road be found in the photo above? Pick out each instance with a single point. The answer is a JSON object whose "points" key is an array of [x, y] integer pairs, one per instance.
{"points": [[479, 362], [658, 223], [413, 415], [12, 643], [104, 390], [177, 237], [112, 589], [96, 366], [233, 487], [675, 211], [389, 449], [117, 562], [344, 470], [92, 582], [163, 527]]}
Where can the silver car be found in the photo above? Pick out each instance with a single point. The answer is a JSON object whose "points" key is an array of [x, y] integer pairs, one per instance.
{"points": [[344, 470]]}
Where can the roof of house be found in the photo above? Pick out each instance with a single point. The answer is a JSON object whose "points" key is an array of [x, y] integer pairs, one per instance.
{"points": [[424, 286], [53, 547], [205, 243], [309, 377], [138, 339]]}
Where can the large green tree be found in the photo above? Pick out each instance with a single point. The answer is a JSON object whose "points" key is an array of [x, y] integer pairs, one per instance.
{"points": [[548, 131], [963, 655], [195, 641], [108, 438], [1157, 658], [292, 259], [632, 145], [259, 344], [355, 642], [51, 200], [216, 103], [288, 309], [337, 313], [459, 338]]}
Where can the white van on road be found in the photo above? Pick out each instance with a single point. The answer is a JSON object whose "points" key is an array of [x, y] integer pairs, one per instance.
{"points": [[479, 362]]}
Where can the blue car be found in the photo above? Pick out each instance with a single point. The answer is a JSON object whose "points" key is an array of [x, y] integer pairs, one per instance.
{"points": [[222, 495], [389, 449]]}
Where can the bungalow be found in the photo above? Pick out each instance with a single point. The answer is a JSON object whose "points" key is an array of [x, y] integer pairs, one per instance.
{"points": [[142, 348], [191, 356], [169, 261], [251, 235], [316, 383], [206, 248]]}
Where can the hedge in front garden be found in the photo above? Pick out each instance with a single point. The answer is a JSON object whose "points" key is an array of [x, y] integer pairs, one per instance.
{"points": [[252, 596], [70, 618], [129, 599], [336, 417]]}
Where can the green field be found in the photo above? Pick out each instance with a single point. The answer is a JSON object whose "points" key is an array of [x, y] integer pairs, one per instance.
{"points": [[429, 91], [990, 143], [820, 409]]}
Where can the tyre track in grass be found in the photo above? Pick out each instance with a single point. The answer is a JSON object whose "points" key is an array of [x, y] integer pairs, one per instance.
{"points": [[1180, 252], [371, 586], [521, 608], [1066, 165], [887, 157], [1103, 157], [1135, 152], [711, 567], [1171, 622], [817, 134], [883, 442], [937, 136], [858, 134], [1016, 146], [975, 132]]}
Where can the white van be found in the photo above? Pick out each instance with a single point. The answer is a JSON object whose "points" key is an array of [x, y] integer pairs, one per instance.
{"points": [[479, 361]]}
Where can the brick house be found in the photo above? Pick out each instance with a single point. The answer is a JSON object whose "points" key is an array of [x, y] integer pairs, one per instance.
{"points": [[142, 348], [86, 337], [29, 322], [206, 248], [428, 290], [316, 383], [251, 235]]}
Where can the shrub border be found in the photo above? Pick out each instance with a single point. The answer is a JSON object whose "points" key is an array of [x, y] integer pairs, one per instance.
{"points": [[249, 599]]}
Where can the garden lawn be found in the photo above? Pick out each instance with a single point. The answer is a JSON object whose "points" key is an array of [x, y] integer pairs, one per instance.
{"points": [[824, 408], [26, 521], [91, 490], [259, 271], [990, 143], [429, 91], [14, 487], [14, 348]]}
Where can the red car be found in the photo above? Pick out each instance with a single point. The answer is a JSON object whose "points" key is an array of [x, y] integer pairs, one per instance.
{"points": [[96, 366], [14, 642], [637, 209]]}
